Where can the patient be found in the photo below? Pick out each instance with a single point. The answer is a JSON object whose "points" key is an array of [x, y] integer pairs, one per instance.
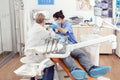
{"points": [[36, 37], [64, 28]]}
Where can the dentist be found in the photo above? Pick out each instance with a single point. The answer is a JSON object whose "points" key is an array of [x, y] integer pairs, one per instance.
{"points": [[35, 38]]}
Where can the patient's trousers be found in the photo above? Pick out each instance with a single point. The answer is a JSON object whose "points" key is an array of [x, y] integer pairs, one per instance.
{"points": [[81, 57], [49, 73]]}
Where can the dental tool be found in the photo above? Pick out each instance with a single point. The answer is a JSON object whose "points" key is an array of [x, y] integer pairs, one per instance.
{"points": [[52, 44], [56, 43], [48, 42]]}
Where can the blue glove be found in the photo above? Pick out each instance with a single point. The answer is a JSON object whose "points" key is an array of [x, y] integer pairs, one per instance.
{"points": [[54, 26]]}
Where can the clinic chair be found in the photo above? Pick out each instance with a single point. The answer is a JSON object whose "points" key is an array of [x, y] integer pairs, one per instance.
{"points": [[55, 57], [110, 38], [64, 67]]}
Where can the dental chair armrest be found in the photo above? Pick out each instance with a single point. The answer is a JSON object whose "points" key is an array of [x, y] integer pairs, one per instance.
{"points": [[82, 44]]}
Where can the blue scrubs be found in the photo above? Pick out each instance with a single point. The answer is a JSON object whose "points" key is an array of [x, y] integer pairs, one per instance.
{"points": [[68, 26]]}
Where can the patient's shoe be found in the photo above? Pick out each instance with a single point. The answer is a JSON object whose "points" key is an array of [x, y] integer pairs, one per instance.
{"points": [[97, 71], [79, 74]]}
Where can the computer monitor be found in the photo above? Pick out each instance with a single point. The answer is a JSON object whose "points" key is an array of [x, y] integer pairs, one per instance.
{"points": [[45, 12]]}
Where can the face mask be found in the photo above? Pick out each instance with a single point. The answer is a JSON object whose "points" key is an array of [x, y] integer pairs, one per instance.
{"points": [[58, 22]]}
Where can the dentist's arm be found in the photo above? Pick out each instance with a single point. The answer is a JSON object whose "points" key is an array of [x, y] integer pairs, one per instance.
{"points": [[62, 30]]}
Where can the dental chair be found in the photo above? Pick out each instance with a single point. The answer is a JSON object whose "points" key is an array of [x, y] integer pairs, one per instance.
{"points": [[53, 54], [92, 44]]}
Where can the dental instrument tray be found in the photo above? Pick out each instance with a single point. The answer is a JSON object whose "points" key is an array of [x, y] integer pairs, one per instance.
{"points": [[76, 20]]}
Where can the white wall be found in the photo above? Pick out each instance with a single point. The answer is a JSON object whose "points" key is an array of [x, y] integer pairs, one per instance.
{"points": [[5, 25], [68, 6]]}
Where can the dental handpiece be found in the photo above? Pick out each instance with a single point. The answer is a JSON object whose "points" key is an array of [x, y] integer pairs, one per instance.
{"points": [[52, 45], [56, 44], [65, 40], [48, 42]]}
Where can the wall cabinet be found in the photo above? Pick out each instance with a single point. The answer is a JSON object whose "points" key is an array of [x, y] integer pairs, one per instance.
{"points": [[105, 48]]}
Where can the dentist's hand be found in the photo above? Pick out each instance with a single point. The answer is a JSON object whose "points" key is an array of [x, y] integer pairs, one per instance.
{"points": [[53, 26]]}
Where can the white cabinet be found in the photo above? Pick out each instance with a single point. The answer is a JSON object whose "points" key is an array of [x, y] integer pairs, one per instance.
{"points": [[118, 44], [105, 48]]}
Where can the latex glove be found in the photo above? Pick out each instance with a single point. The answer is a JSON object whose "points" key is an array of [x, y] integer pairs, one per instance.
{"points": [[54, 26]]}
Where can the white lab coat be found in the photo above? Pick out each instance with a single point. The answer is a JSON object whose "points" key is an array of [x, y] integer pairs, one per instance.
{"points": [[36, 36], [35, 43]]}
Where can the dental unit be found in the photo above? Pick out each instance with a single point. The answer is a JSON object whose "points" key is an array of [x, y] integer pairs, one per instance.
{"points": [[53, 47]]}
